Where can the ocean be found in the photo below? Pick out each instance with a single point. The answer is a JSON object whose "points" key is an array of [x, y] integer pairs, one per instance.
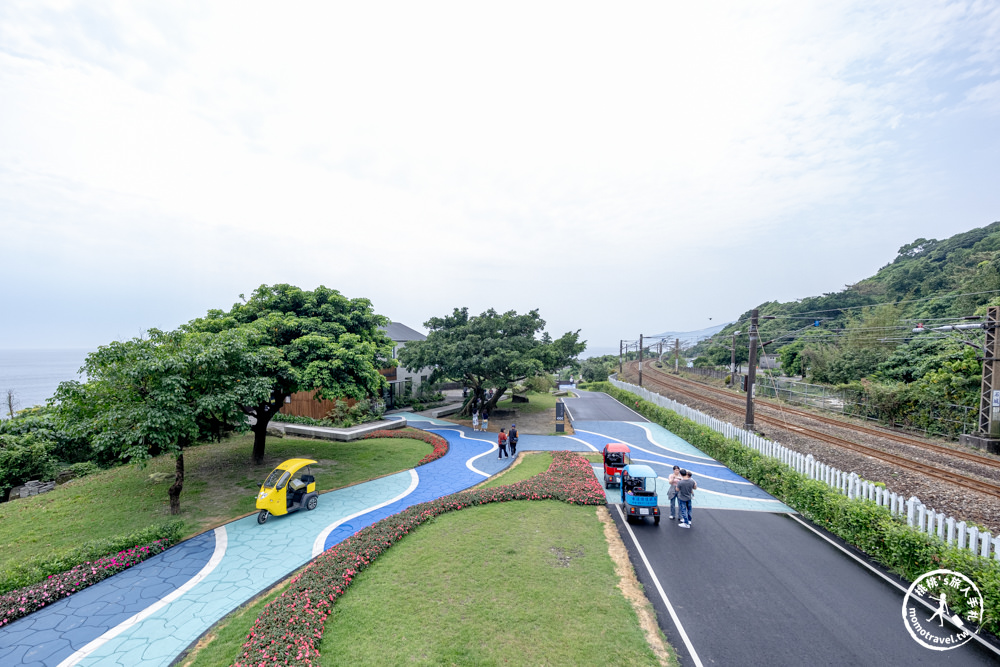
{"points": [[34, 375]]}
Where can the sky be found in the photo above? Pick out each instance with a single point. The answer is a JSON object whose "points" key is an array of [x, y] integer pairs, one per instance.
{"points": [[625, 169]]}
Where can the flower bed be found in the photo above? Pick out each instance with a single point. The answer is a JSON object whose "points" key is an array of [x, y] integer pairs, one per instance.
{"points": [[440, 444], [23, 601], [291, 626]]}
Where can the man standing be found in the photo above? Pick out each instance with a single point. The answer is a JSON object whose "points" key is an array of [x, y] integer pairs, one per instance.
{"points": [[685, 491], [502, 444], [512, 439]]}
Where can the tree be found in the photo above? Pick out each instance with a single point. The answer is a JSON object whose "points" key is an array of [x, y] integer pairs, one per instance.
{"points": [[159, 395], [11, 402], [596, 369], [489, 351], [317, 340]]}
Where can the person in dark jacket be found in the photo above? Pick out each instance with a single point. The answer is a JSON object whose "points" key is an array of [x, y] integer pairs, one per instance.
{"points": [[512, 439]]}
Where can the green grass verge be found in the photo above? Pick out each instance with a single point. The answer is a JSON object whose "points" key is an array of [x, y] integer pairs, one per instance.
{"points": [[220, 484], [536, 403], [523, 582], [532, 463]]}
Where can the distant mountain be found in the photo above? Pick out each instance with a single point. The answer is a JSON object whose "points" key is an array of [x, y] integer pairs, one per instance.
{"points": [[689, 338]]}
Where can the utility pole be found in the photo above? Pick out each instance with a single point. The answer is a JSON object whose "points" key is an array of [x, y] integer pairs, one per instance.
{"points": [[640, 360], [732, 365], [621, 347], [988, 437], [751, 369], [677, 356]]}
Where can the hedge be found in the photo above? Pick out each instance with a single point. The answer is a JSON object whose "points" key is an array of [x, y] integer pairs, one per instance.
{"points": [[873, 529], [291, 626], [41, 568], [440, 444]]}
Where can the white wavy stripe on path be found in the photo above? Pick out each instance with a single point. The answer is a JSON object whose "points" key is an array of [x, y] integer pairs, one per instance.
{"points": [[730, 495], [641, 449], [468, 464], [649, 436], [221, 542], [583, 441], [325, 533], [700, 475]]}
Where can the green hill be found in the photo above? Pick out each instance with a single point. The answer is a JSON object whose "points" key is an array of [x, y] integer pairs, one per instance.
{"points": [[862, 338]]}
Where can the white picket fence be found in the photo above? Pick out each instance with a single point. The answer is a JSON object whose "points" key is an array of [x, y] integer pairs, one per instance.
{"points": [[945, 528]]}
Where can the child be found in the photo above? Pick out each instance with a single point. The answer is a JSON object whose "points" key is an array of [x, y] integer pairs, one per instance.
{"points": [[475, 420]]}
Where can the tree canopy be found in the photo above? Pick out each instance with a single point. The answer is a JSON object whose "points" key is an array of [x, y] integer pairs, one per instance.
{"points": [[318, 340], [490, 350], [158, 395]]}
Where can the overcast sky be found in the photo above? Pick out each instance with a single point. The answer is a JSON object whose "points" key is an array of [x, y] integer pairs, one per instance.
{"points": [[625, 168]]}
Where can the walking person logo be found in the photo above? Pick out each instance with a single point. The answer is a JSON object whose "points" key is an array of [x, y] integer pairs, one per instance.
{"points": [[954, 600]]}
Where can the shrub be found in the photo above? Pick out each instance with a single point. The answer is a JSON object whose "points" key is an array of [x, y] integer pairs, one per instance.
{"points": [[291, 626], [24, 458], [540, 384]]}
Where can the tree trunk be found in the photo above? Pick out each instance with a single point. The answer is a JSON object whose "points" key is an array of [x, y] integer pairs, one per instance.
{"points": [[174, 492], [262, 415]]}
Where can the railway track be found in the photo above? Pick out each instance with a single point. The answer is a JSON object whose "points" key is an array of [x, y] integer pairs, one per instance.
{"points": [[724, 401]]}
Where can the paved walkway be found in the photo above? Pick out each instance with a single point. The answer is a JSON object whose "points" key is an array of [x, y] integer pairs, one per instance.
{"points": [[151, 613]]}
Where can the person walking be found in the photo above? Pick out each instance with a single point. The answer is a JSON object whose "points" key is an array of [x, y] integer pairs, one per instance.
{"points": [[502, 444], [485, 419], [512, 439], [685, 492], [675, 477], [475, 420]]}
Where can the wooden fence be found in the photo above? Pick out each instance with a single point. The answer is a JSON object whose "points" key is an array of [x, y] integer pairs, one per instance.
{"points": [[305, 404]]}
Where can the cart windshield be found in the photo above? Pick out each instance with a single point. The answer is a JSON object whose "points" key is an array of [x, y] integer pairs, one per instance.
{"points": [[277, 479]]}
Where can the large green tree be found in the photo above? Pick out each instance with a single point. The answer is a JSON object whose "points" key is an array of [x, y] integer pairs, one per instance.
{"points": [[161, 394], [318, 340], [490, 350]]}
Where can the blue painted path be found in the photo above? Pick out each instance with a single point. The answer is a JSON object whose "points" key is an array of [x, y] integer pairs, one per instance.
{"points": [[149, 614]]}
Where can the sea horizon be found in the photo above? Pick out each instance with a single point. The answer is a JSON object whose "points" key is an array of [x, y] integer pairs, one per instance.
{"points": [[34, 374]]}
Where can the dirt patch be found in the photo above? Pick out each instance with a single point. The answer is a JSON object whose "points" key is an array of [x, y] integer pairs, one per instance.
{"points": [[632, 590]]}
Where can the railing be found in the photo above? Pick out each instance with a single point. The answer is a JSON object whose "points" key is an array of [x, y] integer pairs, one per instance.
{"points": [[925, 519]]}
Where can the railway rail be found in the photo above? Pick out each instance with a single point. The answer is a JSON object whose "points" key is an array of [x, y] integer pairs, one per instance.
{"points": [[714, 397]]}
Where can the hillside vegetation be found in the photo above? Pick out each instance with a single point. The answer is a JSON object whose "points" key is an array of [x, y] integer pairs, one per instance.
{"points": [[861, 338]]}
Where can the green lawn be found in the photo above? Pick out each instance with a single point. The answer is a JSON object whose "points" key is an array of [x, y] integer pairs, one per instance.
{"points": [[536, 403], [532, 463], [525, 582], [220, 484]]}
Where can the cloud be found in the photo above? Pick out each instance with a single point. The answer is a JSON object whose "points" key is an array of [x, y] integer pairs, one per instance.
{"points": [[439, 154]]}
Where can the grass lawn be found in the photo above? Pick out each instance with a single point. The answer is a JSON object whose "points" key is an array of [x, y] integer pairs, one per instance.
{"points": [[220, 484], [532, 463], [536, 403], [524, 582]]}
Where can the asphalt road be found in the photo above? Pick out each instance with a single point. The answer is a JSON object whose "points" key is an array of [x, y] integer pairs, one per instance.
{"points": [[762, 588], [755, 588], [599, 407]]}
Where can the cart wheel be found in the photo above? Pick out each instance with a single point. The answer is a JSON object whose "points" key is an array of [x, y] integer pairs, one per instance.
{"points": [[311, 503], [607, 485], [262, 517], [656, 520]]}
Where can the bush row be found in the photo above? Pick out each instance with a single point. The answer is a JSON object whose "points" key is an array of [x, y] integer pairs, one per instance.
{"points": [[440, 444], [39, 569], [291, 627], [871, 528], [22, 601]]}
